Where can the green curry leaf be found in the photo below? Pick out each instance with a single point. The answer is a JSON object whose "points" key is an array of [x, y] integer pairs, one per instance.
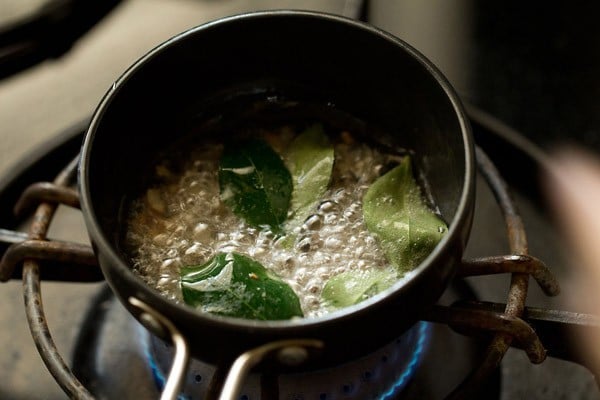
{"points": [[310, 161], [234, 285], [395, 213], [352, 287], [255, 184]]}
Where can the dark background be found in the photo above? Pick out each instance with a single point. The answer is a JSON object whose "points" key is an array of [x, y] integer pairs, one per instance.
{"points": [[532, 64]]}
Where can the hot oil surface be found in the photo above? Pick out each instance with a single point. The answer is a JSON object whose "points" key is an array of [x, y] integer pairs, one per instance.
{"points": [[181, 222]]}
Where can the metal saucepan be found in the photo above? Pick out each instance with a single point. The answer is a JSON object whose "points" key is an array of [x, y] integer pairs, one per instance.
{"points": [[322, 58]]}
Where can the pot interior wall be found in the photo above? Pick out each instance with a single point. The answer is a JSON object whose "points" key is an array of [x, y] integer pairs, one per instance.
{"points": [[370, 78], [319, 59]]}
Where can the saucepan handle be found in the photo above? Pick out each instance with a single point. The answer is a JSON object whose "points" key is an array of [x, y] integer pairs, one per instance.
{"points": [[292, 352], [289, 353], [157, 323]]}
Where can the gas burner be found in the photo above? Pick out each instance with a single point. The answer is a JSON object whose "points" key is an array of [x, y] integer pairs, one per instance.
{"points": [[383, 374], [425, 363]]}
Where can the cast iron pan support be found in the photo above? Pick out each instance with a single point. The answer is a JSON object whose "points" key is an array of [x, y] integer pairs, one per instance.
{"points": [[33, 296], [36, 248], [75, 262], [508, 326]]}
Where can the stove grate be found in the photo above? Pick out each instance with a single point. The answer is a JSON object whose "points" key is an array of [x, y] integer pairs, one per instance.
{"points": [[76, 262]]}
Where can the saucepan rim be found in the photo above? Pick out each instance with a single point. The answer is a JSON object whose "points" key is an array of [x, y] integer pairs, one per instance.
{"points": [[104, 244]]}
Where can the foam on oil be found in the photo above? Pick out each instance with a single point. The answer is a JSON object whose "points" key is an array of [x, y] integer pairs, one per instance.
{"points": [[181, 222]]}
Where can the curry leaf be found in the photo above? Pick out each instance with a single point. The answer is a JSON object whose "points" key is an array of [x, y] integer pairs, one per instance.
{"points": [[234, 285], [255, 184], [395, 213], [352, 287], [310, 161]]}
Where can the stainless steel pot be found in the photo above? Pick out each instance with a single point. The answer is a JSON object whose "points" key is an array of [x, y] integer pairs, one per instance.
{"points": [[315, 57]]}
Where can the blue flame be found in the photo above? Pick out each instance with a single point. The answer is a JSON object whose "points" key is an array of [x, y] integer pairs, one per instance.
{"points": [[424, 334], [157, 375]]}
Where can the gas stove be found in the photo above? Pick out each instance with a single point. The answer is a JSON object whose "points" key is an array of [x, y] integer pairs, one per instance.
{"points": [[428, 362], [97, 338]]}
